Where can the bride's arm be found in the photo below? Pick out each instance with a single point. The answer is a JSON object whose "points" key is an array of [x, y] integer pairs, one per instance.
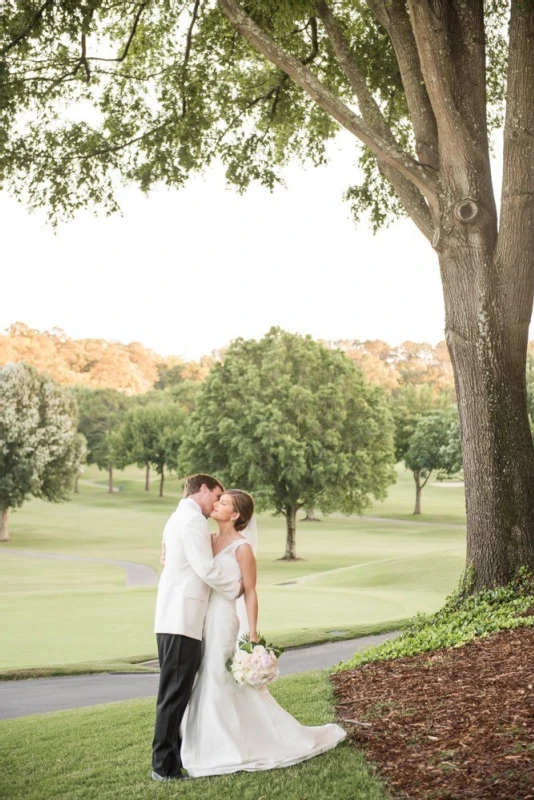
{"points": [[247, 564]]}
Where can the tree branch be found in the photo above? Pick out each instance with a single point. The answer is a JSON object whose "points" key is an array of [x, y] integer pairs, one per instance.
{"points": [[450, 41], [369, 108], [303, 77], [409, 195], [35, 20], [517, 201], [411, 198], [187, 53], [393, 16], [82, 61], [315, 42], [130, 38], [189, 38], [274, 92], [102, 151]]}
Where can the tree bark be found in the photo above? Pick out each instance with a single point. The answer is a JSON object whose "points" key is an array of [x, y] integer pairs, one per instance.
{"points": [[110, 478], [489, 357], [290, 514], [4, 530], [161, 481], [147, 476], [310, 516], [420, 483], [76, 484], [418, 491]]}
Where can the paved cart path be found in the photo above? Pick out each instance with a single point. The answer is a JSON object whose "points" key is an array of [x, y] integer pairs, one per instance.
{"points": [[42, 695], [136, 574]]}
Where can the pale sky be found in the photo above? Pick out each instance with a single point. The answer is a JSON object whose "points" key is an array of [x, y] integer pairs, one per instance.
{"points": [[185, 271]]}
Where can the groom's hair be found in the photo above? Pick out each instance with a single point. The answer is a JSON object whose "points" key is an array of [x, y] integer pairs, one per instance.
{"points": [[194, 482]]}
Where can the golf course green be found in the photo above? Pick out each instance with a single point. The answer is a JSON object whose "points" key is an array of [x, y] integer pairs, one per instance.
{"points": [[356, 575]]}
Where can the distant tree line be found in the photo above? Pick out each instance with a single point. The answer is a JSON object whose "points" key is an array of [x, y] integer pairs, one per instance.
{"points": [[96, 363], [133, 369]]}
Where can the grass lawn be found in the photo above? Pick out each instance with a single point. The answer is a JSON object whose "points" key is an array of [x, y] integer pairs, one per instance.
{"points": [[441, 501], [103, 753], [357, 575]]}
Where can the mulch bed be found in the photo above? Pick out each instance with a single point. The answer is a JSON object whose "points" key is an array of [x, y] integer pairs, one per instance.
{"points": [[453, 724]]}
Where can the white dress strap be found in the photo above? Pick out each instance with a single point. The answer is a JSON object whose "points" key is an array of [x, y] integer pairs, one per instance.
{"points": [[238, 544]]}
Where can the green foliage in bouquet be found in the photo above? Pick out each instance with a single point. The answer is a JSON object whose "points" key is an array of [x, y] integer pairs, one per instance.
{"points": [[248, 646]]}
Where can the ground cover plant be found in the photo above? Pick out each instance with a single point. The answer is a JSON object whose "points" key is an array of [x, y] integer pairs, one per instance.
{"points": [[103, 753], [445, 711], [358, 576]]}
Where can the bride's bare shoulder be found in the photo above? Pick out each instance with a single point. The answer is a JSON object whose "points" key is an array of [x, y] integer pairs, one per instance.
{"points": [[244, 552]]}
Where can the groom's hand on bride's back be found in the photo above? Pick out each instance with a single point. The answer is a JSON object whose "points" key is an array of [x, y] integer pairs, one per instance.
{"points": [[163, 554]]}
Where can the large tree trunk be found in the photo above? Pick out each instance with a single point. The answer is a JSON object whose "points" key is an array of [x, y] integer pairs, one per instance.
{"points": [[487, 273], [162, 481], [291, 534], [310, 516], [488, 351], [147, 476], [110, 479], [4, 530], [76, 484]]}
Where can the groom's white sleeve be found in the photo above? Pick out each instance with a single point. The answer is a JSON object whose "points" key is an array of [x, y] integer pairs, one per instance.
{"points": [[200, 557]]}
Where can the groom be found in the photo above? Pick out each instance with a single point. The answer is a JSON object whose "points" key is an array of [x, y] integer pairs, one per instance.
{"points": [[189, 573]]}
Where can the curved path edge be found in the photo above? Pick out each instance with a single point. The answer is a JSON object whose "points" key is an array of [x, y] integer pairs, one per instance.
{"points": [[43, 695], [136, 574]]}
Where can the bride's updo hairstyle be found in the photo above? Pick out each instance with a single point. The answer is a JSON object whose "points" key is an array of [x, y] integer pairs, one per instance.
{"points": [[243, 504]]}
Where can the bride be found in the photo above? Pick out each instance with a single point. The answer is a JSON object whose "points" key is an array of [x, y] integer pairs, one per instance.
{"points": [[230, 727]]}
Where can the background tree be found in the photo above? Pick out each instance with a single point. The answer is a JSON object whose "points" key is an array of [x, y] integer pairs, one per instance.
{"points": [[39, 445], [170, 374], [296, 425], [151, 435], [184, 394], [434, 447], [408, 406], [81, 459], [100, 412], [258, 85]]}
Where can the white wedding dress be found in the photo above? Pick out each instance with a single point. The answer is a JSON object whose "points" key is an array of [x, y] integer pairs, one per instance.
{"points": [[229, 727]]}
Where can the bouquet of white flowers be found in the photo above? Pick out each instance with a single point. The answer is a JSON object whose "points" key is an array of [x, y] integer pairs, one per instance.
{"points": [[255, 663]]}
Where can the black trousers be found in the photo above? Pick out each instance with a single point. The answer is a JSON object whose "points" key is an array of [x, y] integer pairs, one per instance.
{"points": [[179, 660]]}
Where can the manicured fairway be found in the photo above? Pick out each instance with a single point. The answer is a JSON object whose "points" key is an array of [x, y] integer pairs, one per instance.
{"points": [[441, 501], [103, 753], [356, 573]]}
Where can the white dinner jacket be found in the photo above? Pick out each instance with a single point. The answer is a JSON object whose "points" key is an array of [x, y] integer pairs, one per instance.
{"points": [[189, 574]]}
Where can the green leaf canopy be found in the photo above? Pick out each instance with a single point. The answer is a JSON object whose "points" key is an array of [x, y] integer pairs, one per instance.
{"points": [[39, 444], [295, 424]]}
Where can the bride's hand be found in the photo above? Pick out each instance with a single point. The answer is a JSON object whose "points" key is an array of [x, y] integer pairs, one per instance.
{"points": [[254, 636]]}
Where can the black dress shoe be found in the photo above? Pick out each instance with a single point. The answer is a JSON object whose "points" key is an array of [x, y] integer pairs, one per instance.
{"points": [[157, 777]]}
